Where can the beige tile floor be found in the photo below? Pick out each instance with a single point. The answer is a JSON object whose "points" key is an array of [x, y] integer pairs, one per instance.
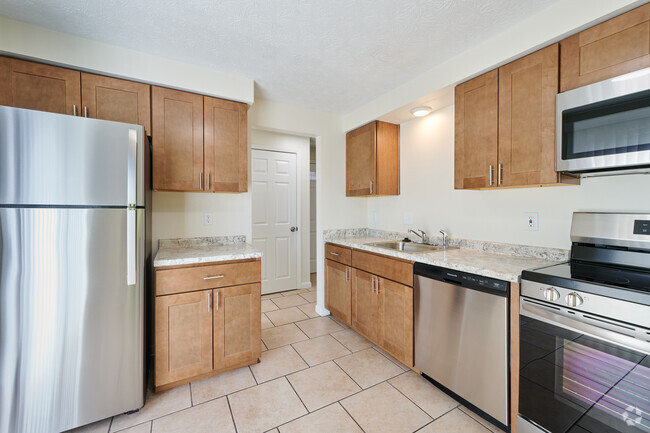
{"points": [[316, 376]]}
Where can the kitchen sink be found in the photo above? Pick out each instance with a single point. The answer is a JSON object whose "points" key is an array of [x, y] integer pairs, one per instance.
{"points": [[409, 247]]}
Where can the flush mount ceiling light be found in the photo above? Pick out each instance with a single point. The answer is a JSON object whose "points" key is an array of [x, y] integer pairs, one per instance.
{"points": [[421, 111]]}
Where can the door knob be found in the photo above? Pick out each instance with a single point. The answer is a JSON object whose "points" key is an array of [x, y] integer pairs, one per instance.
{"points": [[294, 229]]}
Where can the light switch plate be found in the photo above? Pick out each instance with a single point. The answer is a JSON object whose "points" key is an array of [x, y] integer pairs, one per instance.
{"points": [[207, 219], [408, 218], [532, 221]]}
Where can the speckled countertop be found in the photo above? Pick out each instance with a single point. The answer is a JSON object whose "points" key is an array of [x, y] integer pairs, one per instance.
{"points": [[486, 263], [174, 252]]}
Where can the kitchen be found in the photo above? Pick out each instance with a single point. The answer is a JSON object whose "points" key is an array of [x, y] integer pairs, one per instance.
{"points": [[427, 198]]}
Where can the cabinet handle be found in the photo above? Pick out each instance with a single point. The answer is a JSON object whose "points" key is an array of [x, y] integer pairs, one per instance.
{"points": [[499, 175], [212, 278], [217, 301], [347, 274], [377, 285], [85, 111], [74, 109], [334, 254], [370, 187], [207, 182], [201, 180], [490, 174], [372, 285], [209, 302]]}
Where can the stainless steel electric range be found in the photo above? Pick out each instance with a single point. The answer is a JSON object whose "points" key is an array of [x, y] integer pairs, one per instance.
{"points": [[585, 332]]}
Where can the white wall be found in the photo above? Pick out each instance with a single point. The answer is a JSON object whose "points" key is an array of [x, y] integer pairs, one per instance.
{"points": [[24, 40], [265, 140], [427, 191]]}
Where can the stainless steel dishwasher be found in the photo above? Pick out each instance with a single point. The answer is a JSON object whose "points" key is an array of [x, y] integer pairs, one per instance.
{"points": [[461, 337]]}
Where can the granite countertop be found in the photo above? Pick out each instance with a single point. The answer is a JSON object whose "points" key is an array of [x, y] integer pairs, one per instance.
{"points": [[174, 252], [486, 263]]}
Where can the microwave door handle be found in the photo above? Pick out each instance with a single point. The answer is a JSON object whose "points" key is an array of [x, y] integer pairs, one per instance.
{"points": [[546, 315]]}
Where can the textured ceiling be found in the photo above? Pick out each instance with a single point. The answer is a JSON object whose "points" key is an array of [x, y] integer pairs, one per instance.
{"points": [[331, 55]]}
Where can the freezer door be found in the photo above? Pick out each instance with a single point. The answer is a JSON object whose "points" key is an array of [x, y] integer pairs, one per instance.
{"points": [[55, 159], [71, 317]]}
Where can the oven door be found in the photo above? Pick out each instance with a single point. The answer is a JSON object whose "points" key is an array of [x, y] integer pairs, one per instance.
{"points": [[577, 377], [605, 125]]}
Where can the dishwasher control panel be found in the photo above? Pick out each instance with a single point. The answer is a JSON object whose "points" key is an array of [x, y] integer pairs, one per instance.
{"points": [[462, 278]]}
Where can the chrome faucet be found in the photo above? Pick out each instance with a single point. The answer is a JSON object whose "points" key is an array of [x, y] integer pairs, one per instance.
{"points": [[444, 238], [422, 235]]}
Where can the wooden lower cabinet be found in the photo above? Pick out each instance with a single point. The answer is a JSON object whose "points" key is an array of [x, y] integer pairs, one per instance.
{"points": [[237, 325], [183, 336], [205, 332], [338, 290], [396, 317], [365, 305]]}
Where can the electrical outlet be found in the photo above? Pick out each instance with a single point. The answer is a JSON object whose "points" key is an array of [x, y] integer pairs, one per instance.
{"points": [[408, 218], [207, 219], [532, 221], [373, 216]]}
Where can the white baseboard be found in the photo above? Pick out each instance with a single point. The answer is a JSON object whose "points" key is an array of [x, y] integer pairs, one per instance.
{"points": [[322, 310], [306, 285]]}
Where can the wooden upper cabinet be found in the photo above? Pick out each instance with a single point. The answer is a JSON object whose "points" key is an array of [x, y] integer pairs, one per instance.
{"points": [[117, 100], [183, 336], [527, 89], [615, 47], [177, 130], [338, 290], [476, 126], [372, 160], [237, 325], [39, 87], [225, 145], [396, 303]]}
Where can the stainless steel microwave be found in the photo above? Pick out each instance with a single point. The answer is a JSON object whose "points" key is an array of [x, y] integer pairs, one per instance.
{"points": [[605, 126]]}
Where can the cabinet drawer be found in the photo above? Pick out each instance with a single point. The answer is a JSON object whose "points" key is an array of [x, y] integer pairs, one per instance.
{"points": [[338, 253], [192, 278], [383, 266]]}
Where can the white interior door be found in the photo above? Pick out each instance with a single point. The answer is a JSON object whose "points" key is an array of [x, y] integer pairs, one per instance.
{"points": [[274, 215]]}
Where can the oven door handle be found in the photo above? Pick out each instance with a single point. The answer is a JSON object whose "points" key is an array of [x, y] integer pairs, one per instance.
{"points": [[538, 312]]}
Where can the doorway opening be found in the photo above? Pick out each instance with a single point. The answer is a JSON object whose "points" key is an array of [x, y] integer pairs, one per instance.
{"points": [[282, 209]]}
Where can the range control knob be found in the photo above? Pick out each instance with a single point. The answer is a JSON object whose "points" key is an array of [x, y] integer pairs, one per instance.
{"points": [[551, 294], [573, 299]]}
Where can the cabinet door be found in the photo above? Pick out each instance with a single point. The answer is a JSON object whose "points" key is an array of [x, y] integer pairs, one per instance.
{"points": [[237, 325], [39, 87], [387, 159], [476, 122], [361, 160], [615, 47], [337, 290], [177, 131], [183, 336], [117, 100], [396, 305], [527, 89], [225, 145], [365, 305]]}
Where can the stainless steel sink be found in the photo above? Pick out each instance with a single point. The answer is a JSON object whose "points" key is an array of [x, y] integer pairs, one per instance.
{"points": [[409, 247]]}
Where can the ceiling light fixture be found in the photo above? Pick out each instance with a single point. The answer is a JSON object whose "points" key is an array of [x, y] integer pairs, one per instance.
{"points": [[421, 111]]}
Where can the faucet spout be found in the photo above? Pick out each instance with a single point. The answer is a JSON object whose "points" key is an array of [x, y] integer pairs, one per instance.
{"points": [[422, 235]]}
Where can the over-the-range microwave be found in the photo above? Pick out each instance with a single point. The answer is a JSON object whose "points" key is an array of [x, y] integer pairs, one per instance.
{"points": [[605, 126]]}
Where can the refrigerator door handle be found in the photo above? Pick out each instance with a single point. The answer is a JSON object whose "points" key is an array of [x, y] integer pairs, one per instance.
{"points": [[131, 262], [131, 195]]}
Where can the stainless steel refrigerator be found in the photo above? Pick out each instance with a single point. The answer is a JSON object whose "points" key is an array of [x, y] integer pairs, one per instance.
{"points": [[72, 262]]}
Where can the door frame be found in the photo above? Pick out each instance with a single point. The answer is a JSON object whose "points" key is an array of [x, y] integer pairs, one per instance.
{"points": [[272, 148]]}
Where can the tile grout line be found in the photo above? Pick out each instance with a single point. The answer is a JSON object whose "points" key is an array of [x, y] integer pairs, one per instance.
{"points": [[232, 417], [350, 415], [475, 417], [407, 397]]}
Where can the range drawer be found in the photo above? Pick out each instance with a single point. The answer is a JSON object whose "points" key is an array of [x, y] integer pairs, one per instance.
{"points": [[387, 267], [338, 253], [200, 277]]}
